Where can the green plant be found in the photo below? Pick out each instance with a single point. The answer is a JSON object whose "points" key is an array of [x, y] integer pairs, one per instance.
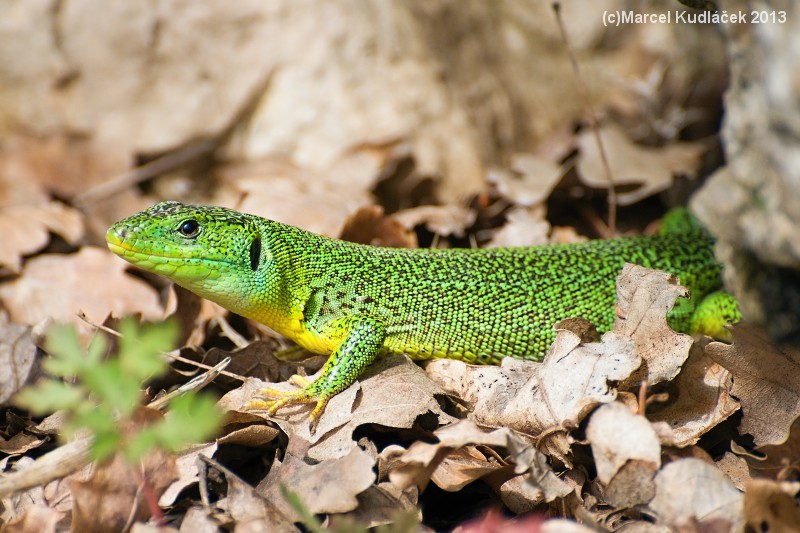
{"points": [[101, 395]]}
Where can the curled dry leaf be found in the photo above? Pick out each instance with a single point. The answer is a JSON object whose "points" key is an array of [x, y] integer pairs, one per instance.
{"points": [[422, 462], [92, 281], [528, 181], [533, 397], [394, 392], [653, 169], [444, 220], [765, 380], [461, 467], [329, 486], [775, 460], [525, 226], [771, 506], [25, 229], [644, 297], [701, 401], [626, 452], [17, 358], [692, 489]]}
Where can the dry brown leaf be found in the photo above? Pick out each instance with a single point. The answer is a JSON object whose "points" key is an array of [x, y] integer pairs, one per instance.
{"points": [[653, 169], [93, 281], [533, 397], [772, 506], [416, 465], [61, 164], [735, 468], [700, 403], [692, 489], [25, 229], [369, 225], [524, 226], [149, 527], [392, 392], [247, 429], [421, 462], [319, 202], [186, 465], [395, 393], [36, 518], [528, 181], [21, 443], [765, 381], [17, 358], [444, 220], [626, 454], [246, 507], [644, 297], [461, 467], [113, 494], [774, 460], [330, 486], [379, 504]]}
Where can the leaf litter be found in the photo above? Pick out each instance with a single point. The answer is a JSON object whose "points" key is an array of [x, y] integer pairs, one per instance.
{"points": [[710, 443], [526, 430]]}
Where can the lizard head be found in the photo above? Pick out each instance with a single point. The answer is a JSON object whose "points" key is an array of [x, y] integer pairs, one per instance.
{"points": [[212, 251]]}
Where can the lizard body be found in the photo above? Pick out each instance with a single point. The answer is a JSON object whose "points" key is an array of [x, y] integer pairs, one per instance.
{"points": [[356, 302]]}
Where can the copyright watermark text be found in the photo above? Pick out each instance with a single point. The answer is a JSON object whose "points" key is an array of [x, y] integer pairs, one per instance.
{"points": [[619, 18]]}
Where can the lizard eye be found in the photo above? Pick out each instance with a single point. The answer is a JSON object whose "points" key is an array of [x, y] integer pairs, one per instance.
{"points": [[189, 228]]}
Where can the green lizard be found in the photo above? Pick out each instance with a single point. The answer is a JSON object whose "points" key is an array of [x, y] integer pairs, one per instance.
{"points": [[357, 302]]}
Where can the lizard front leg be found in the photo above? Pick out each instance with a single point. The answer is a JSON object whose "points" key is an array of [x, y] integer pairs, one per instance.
{"points": [[363, 339]]}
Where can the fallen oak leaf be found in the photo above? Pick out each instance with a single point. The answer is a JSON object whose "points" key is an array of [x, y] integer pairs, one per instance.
{"points": [[653, 169], [765, 381], [626, 453], [701, 401], [419, 464], [693, 489], [529, 180], [26, 229], [644, 297], [91, 280], [536, 398], [392, 392], [18, 361], [329, 486]]}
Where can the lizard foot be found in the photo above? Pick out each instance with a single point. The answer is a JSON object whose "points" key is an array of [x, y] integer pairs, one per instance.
{"points": [[271, 400]]}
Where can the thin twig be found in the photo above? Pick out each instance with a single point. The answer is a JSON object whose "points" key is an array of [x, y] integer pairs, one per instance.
{"points": [[584, 94]]}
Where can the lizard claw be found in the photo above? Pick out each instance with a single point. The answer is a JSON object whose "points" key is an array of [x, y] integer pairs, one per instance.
{"points": [[271, 400]]}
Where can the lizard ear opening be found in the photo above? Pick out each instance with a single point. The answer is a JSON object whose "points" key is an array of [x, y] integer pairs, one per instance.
{"points": [[255, 253]]}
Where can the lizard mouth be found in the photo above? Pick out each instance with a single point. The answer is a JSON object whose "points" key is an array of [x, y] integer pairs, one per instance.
{"points": [[116, 242]]}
